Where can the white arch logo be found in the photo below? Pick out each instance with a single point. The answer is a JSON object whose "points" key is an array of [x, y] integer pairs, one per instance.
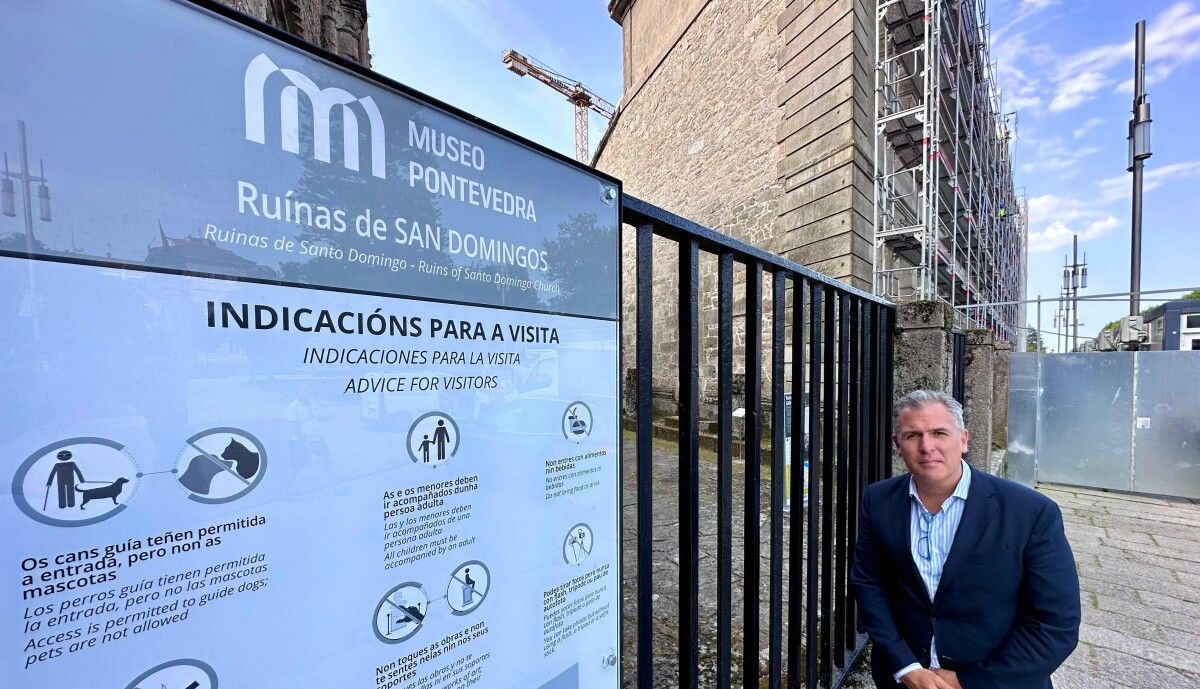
{"points": [[323, 102]]}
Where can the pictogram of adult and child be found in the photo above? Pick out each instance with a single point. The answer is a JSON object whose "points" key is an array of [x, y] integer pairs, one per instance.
{"points": [[433, 439]]}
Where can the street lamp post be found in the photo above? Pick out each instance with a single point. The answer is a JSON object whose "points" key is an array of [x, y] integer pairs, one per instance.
{"points": [[1139, 151], [8, 193]]}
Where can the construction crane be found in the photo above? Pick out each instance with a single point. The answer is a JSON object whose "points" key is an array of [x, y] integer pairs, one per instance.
{"points": [[577, 94]]}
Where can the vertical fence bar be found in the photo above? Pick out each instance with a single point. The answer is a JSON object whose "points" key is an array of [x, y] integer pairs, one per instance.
{"points": [[751, 550], [645, 456], [882, 410], [775, 604], [889, 385], [871, 386], [827, 486], [724, 467], [796, 494], [812, 612], [842, 482], [854, 468], [689, 462]]}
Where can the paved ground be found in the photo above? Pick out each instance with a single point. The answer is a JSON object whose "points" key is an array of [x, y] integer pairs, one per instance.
{"points": [[1139, 571]]}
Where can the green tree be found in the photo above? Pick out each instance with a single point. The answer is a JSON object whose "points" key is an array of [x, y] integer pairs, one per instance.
{"points": [[1194, 294], [1033, 340]]}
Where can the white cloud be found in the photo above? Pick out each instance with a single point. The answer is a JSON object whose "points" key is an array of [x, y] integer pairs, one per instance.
{"points": [[1058, 234], [1020, 89], [1054, 155], [1090, 125], [1053, 220], [1172, 40], [1076, 90], [1121, 186]]}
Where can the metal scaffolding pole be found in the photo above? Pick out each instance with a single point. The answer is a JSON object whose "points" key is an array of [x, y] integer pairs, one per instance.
{"points": [[948, 224]]}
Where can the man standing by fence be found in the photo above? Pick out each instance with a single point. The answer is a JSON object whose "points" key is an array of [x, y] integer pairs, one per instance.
{"points": [[964, 580]]}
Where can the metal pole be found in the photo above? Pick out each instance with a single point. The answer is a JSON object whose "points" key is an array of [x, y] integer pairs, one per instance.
{"points": [[1075, 291], [23, 153], [1139, 104], [1038, 333]]}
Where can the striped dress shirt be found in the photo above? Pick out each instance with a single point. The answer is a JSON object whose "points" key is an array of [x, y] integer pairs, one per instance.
{"points": [[930, 557]]}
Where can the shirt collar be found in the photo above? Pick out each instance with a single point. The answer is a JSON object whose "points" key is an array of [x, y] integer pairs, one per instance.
{"points": [[960, 491]]}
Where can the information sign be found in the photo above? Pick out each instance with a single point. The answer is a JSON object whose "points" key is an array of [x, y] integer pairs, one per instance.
{"points": [[307, 380]]}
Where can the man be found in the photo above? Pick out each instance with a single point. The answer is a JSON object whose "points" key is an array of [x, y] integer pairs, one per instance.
{"points": [[963, 580]]}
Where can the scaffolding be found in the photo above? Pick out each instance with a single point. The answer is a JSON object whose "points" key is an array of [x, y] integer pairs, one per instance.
{"points": [[948, 222]]}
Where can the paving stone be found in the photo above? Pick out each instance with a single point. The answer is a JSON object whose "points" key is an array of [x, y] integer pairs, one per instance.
{"points": [[1117, 622], [1188, 578], [1116, 562], [1119, 525], [1087, 585], [1179, 659], [1177, 564], [1140, 611], [1170, 587], [1171, 603], [1136, 673], [1184, 547], [1073, 679]]}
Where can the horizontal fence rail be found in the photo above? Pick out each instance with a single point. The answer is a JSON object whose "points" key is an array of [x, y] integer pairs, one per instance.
{"points": [[839, 376]]}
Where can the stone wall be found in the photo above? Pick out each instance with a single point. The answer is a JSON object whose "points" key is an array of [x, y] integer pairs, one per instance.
{"points": [[698, 138], [339, 26], [826, 67], [749, 117]]}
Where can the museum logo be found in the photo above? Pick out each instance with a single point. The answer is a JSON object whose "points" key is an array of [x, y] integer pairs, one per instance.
{"points": [[323, 102]]}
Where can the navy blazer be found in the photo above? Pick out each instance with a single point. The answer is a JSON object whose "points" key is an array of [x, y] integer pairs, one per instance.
{"points": [[1007, 606]]}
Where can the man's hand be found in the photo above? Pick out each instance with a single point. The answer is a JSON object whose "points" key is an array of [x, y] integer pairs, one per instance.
{"points": [[927, 679], [949, 677]]}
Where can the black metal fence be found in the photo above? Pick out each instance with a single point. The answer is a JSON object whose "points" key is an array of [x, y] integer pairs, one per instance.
{"points": [[841, 356]]}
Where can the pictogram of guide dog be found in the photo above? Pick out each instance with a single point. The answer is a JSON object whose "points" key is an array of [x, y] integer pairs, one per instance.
{"points": [[111, 490]]}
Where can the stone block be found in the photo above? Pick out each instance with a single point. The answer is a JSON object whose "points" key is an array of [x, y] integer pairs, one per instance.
{"points": [[1002, 377], [979, 378]]}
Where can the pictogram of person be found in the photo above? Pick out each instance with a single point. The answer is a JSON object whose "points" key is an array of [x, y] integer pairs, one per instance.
{"points": [[425, 448], [441, 436], [65, 473], [468, 589]]}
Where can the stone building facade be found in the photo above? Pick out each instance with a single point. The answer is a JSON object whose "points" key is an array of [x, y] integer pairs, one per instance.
{"points": [[339, 26], [751, 117]]}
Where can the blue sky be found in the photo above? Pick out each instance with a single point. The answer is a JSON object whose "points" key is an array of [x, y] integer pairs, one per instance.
{"points": [[1067, 69], [1065, 66], [450, 49]]}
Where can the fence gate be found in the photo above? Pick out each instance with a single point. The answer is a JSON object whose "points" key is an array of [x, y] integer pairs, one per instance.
{"points": [[841, 360], [1125, 421]]}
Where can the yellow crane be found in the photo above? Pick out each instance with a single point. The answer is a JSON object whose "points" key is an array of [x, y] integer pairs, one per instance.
{"points": [[583, 98]]}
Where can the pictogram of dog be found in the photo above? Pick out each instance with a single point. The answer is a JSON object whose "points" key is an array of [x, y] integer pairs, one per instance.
{"points": [[112, 490]]}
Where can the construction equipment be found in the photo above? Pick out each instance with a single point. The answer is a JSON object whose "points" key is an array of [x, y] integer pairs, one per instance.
{"points": [[583, 98]]}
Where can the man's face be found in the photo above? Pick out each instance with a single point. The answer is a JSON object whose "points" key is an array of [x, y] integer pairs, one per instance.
{"points": [[929, 443]]}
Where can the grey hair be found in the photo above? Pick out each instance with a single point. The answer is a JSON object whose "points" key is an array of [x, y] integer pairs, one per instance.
{"points": [[918, 399]]}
